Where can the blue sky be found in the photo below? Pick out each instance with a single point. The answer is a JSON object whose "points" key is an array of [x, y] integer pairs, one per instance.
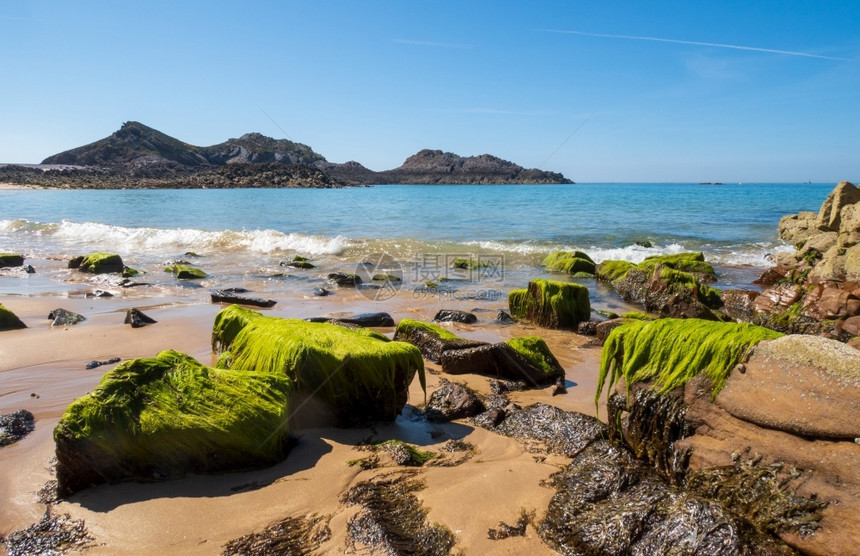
{"points": [[618, 91]]}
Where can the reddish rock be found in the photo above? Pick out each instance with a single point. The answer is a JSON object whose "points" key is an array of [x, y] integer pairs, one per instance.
{"points": [[828, 303], [773, 275], [778, 298]]}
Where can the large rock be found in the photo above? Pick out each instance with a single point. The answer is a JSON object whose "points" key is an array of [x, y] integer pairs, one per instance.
{"points": [[570, 262], [827, 303], [830, 214], [98, 263], [358, 373], [528, 359], [778, 446], [804, 385], [9, 320], [797, 228], [431, 339], [665, 291], [551, 304], [11, 260], [162, 417]]}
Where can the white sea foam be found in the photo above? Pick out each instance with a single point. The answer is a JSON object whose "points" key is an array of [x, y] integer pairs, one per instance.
{"points": [[120, 238]]}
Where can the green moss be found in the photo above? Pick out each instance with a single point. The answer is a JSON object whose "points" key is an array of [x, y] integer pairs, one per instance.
{"points": [[562, 255], [386, 278], [550, 303], [406, 454], [686, 262], [304, 265], [637, 315], [172, 413], [670, 352], [469, 264], [185, 271], [300, 259], [359, 373], [9, 320], [98, 263], [679, 279], [129, 272], [11, 259], [536, 352], [405, 325], [611, 271]]}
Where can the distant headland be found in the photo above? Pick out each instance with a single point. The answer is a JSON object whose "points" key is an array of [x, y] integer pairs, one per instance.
{"points": [[138, 156]]}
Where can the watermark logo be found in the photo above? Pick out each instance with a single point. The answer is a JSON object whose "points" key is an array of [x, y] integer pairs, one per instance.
{"points": [[433, 275], [381, 276]]}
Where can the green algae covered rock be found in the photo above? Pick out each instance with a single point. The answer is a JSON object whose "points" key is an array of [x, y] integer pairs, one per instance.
{"points": [[171, 415], [610, 271], [571, 262], [9, 320], [431, 339], [534, 350], [670, 352], [11, 259], [685, 262], [360, 374], [185, 271], [98, 263], [550, 303]]}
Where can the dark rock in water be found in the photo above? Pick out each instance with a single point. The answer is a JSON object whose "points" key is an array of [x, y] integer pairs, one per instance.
{"points": [[646, 244], [137, 319], [321, 292], [236, 290], [607, 502], [222, 296], [94, 364], [62, 317], [452, 315], [561, 432], [371, 320], [29, 269], [11, 260], [15, 426], [303, 265], [97, 263], [504, 318], [99, 293], [343, 279], [452, 401]]}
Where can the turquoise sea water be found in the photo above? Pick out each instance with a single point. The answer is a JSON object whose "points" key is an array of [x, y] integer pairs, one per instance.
{"points": [[247, 230]]}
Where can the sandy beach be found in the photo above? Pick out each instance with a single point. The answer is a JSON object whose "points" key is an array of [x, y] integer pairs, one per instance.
{"points": [[43, 371]]}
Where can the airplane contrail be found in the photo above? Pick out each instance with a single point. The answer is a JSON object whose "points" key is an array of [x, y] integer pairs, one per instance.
{"points": [[698, 43]]}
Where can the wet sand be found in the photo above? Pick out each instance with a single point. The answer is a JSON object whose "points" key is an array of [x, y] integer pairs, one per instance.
{"points": [[42, 370]]}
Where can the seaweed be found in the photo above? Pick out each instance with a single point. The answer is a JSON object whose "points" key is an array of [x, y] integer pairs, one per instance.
{"points": [[171, 415], [504, 531], [670, 352], [551, 303], [290, 536], [53, 534], [760, 493], [406, 454], [392, 520], [361, 374], [9, 320]]}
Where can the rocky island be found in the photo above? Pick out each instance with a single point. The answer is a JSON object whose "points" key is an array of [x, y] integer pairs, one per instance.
{"points": [[138, 156]]}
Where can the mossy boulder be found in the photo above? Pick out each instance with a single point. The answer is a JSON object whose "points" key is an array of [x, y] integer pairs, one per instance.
{"points": [[669, 293], [431, 339], [98, 263], [168, 416], [611, 271], [9, 320], [670, 352], [551, 303], [185, 271], [527, 359], [360, 374], [469, 264], [570, 262], [11, 259]]}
